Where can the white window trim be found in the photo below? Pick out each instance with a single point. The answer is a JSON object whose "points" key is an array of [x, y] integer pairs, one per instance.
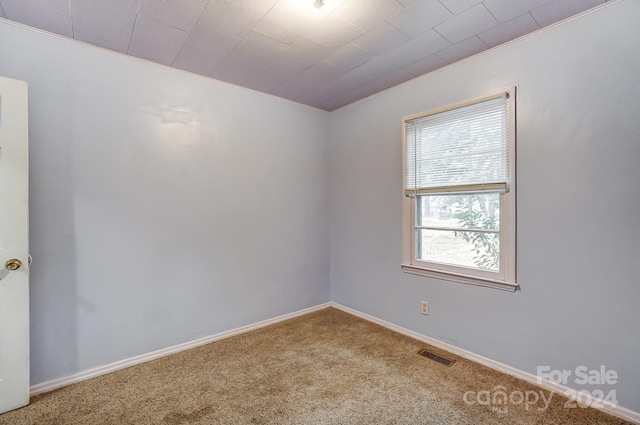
{"points": [[506, 278]]}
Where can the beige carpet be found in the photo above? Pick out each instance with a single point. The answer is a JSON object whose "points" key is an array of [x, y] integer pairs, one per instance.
{"points": [[327, 367]]}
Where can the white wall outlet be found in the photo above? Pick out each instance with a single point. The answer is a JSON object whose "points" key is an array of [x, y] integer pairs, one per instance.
{"points": [[424, 307]]}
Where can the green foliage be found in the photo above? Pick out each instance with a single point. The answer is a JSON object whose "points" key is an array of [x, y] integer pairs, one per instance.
{"points": [[475, 215]]}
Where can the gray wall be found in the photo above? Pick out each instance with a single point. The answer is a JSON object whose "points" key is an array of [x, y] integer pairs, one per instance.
{"points": [[164, 207], [167, 207], [578, 204]]}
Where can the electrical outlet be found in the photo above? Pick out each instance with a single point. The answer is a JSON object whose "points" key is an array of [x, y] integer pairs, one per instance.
{"points": [[424, 307]]}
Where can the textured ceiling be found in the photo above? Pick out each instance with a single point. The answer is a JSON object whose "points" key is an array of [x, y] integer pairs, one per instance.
{"points": [[348, 50]]}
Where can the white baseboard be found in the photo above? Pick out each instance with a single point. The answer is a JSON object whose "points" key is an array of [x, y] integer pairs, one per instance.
{"points": [[112, 367], [611, 409], [614, 410]]}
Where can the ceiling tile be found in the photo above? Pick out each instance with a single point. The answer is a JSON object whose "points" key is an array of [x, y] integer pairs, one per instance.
{"points": [[156, 41], [425, 65], [229, 18], [262, 49], [323, 94], [97, 41], [303, 9], [357, 77], [298, 86], [342, 84], [505, 10], [211, 41], [151, 52], [340, 101], [181, 14], [265, 81], [201, 3], [510, 30], [346, 98], [117, 10], [420, 17], [386, 81], [347, 50], [114, 35], [38, 17], [238, 59], [417, 48], [459, 6], [236, 68], [59, 6], [278, 23], [464, 49], [286, 66], [207, 62], [307, 51], [469, 23], [230, 75], [333, 32], [381, 38], [259, 7], [561, 9], [367, 72], [373, 70], [367, 14], [314, 98], [189, 68], [348, 57], [323, 71]]}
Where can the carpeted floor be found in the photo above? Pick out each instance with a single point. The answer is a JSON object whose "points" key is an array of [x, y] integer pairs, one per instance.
{"points": [[326, 367]]}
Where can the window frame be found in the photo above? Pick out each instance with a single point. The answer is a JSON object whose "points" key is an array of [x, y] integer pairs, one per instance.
{"points": [[505, 278]]}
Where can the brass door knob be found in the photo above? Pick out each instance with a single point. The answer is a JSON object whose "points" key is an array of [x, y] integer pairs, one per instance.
{"points": [[13, 264]]}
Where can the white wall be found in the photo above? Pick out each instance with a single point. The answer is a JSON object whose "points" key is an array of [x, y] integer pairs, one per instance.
{"points": [[578, 204], [164, 206]]}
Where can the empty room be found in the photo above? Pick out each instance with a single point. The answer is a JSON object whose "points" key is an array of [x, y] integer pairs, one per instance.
{"points": [[319, 212]]}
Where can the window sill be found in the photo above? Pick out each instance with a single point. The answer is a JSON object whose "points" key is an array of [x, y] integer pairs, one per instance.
{"points": [[460, 278]]}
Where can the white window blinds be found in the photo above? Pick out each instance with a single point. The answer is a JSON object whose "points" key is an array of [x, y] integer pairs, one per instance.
{"points": [[463, 149]]}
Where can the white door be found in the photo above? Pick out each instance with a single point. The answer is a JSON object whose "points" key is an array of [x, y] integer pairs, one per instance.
{"points": [[14, 242]]}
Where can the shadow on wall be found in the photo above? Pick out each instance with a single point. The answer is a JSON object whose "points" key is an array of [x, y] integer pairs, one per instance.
{"points": [[53, 283]]}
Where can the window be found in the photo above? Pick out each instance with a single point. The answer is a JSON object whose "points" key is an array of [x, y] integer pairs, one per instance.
{"points": [[459, 192]]}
